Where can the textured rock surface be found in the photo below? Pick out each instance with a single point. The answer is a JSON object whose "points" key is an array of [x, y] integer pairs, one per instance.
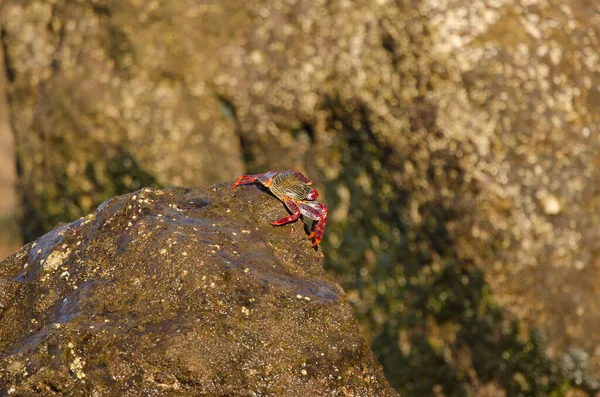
{"points": [[110, 97], [180, 292], [456, 141]]}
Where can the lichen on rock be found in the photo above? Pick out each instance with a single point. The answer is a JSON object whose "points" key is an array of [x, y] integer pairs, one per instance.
{"points": [[54, 260]]}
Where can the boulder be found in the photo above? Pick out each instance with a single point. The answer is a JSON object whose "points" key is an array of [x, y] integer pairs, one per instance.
{"points": [[180, 292]]}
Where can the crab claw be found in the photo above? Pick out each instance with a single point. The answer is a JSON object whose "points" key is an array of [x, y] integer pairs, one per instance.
{"points": [[312, 195], [293, 207]]}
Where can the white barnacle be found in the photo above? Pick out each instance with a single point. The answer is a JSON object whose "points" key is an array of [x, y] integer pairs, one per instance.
{"points": [[55, 259]]}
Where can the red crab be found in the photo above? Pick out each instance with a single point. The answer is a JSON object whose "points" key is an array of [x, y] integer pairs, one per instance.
{"points": [[294, 190]]}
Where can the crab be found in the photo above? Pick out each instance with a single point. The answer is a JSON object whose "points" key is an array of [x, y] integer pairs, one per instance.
{"points": [[294, 189]]}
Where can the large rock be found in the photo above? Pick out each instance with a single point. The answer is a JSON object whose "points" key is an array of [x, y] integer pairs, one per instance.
{"points": [[179, 292]]}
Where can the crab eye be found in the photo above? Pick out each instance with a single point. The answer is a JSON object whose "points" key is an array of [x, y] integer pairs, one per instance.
{"points": [[312, 195]]}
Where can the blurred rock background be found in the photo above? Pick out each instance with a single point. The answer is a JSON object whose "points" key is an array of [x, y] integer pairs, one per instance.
{"points": [[10, 237], [455, 142]]}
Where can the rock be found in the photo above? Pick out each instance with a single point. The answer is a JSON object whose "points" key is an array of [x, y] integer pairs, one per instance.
{"points": [[148, 109], [550, 204], [9, 228], [179, 292]]}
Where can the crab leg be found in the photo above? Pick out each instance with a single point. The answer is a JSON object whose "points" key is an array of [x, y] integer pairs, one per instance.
{"points": [[319, 230], [301, 176], [318, 212], [293, 207], [312, 230], [244, 179], [265, 179]]}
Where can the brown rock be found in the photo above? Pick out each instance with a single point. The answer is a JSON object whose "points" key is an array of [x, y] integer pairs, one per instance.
{"points": [[179, 292]]}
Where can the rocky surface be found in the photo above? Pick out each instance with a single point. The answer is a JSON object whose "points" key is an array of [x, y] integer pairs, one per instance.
{"points": [[109, 99], [455, 142], [179, 292]]}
